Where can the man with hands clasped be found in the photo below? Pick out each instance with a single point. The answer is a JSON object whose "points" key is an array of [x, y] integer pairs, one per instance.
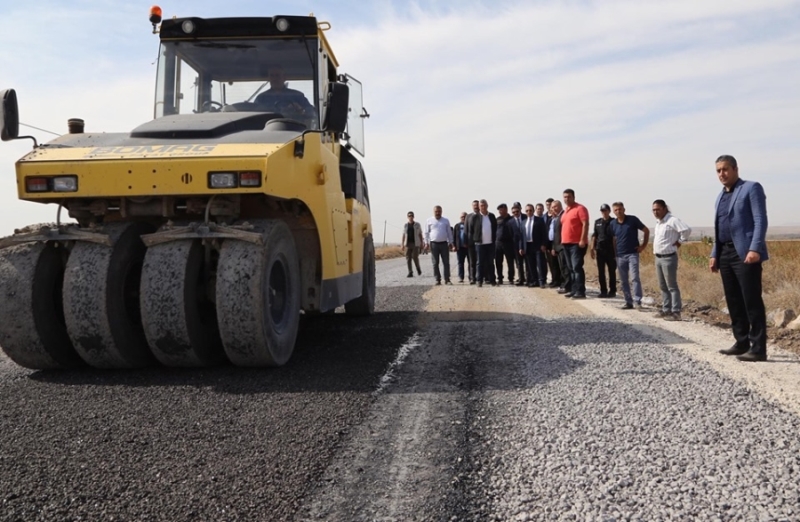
{"points": [[669, 233]]}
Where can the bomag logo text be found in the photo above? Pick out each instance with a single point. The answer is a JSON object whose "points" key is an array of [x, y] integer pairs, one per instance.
{"points": [[150, 151]]}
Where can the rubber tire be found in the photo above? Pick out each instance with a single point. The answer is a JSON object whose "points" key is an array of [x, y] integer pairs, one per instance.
{"points": [[253, 334], [101, 301], [365, 304], [180, 324], [32, 329]]}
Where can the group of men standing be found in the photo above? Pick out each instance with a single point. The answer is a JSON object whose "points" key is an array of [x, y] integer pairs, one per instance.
{"points": [[554, 237], [520, 248]]}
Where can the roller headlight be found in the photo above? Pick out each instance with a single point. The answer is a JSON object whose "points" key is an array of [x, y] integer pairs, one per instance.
{"points": [[65, 184], [221, 180]]}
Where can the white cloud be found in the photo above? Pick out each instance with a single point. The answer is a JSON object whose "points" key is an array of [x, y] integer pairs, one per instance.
{"points": [[618, 100], [615, 99]]}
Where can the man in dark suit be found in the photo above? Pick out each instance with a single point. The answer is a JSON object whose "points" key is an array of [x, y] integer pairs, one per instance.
{"points": [[483, 234], [472, 252], [533, 248], [558, 251], [518, 227], [460, 245], [740, 230], [552, 260], [504, 247]]}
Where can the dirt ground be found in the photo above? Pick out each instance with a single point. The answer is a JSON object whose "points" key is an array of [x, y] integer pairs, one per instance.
{"points": [[787, 339]]}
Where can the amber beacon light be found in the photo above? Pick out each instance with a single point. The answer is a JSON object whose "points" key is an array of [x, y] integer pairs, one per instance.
{"points": [[155, 17]]}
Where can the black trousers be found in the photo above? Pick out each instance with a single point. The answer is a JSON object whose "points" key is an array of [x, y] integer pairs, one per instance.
{"points": [[472, 256], [563, 265], [536, 265], [742, 285], [485, 270], [555, 267], [461, 257], [440, 250], [606, 260], [504, 250], [519, 261]]}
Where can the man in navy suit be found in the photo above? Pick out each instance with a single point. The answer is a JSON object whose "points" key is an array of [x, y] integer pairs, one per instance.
{"points": [[461, 245], [532, 247], [518, 225], [740, 230]]}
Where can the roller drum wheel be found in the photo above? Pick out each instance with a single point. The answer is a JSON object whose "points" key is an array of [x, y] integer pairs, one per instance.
{"points": [[365, 304], [179, 320], [101, 299], [32, 330], [258, 297]]}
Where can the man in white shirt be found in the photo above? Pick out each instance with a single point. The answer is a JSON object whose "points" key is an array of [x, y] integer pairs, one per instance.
{"points": [[669, 233], [439, 236]]}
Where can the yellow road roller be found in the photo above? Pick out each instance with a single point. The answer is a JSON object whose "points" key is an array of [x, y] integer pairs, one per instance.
{"points": [[202, 236]]}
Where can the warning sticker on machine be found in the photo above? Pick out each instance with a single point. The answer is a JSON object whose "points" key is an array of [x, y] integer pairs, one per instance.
{"points": [[150, 151]]}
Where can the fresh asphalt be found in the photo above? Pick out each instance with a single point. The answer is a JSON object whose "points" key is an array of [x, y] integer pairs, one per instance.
{"points": [[450, 403]]}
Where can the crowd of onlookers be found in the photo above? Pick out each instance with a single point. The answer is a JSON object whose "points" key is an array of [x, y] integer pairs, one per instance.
{"points": [[524, 246], [550, 238]]}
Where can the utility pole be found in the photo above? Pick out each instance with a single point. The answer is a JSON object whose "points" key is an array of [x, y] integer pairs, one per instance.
{"points": [[384, 232]]}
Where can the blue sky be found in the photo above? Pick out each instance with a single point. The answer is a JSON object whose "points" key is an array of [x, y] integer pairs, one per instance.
{"points": [[508, 101]]}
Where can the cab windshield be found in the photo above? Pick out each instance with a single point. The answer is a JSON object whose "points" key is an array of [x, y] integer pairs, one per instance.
{"points": [[267, 75]]}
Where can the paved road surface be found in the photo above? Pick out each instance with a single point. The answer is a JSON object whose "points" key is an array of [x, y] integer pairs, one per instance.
{"points": [[451, 403]]}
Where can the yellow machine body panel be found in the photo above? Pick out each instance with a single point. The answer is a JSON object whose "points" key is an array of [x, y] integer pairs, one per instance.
{"points": [[183, 171]]}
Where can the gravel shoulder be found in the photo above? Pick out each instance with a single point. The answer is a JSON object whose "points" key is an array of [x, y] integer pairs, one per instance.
{"points": [[517, 404]]}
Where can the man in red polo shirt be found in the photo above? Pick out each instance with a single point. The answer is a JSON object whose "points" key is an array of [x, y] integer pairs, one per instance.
{"points": [[575, 238]]}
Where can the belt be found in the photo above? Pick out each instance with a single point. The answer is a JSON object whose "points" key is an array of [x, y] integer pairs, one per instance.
{"points": [[729, 244], [666, 255], [438, 242]]}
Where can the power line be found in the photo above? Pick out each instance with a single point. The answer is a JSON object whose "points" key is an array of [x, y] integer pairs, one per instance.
{"points": [[37, 128]]}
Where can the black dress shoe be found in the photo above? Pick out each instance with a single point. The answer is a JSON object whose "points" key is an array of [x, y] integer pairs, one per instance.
{"points": [[562, 291], [568, 295], [602, 295], [579, 296], [612, 295], [627, 306], [520, 283], [752, 356], [735, 350]]}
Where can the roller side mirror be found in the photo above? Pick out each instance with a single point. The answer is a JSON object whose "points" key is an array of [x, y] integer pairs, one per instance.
{"points": [[338, 106], [9, 115]]}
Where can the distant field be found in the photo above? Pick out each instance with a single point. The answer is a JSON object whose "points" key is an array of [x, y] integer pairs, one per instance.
{"points": [[388, 252], [786, 232], [781, 278]]}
